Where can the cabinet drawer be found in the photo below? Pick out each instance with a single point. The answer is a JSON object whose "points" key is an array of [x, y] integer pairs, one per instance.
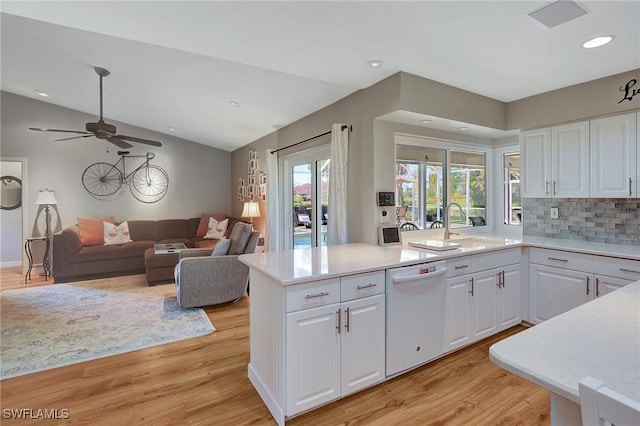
{"points": [[313, 294], [496, 259], [459, 266], [619, 268], [361, 285], [562, 259]]}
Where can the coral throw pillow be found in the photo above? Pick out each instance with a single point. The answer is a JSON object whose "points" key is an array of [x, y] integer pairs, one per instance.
{"points": [[116, 234], [91, 230], [203, 226], [216, 229]]}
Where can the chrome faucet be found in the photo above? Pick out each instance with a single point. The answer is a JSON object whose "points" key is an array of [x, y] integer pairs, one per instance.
{"points": [[447, 221]]}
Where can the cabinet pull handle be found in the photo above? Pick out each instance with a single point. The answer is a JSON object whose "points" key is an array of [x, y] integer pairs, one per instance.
{"points": [[502, 279], [597, 287], [499, 279], [546, 187], [461, 267], [362, 287], [339, 321], [629, 270], [554, 188], [557, 259], [471, 286], [347, 324], [587, 286], [630, 187], [313, 296]]}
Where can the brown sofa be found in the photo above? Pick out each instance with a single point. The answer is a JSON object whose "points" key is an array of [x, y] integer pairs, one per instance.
{"points": [[73, 262]]}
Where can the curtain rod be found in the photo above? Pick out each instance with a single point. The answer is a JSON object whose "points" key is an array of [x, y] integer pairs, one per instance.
{"points": [[344, 126]]}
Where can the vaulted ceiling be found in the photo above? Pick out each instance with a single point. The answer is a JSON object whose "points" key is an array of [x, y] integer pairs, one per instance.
{"points": [[180, 64]]}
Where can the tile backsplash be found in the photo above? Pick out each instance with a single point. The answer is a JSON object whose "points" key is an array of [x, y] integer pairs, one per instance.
{"points": [[603, 220]]}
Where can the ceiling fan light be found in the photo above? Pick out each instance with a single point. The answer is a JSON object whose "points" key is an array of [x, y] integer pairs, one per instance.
{"points": [[598, 41]]}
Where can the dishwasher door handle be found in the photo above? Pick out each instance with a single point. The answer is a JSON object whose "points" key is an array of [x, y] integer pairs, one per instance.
{"points": [[418, 277]]}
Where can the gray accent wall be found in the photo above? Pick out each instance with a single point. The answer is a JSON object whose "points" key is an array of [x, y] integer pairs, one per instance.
{"points": [[199, 175], [602, 220]]}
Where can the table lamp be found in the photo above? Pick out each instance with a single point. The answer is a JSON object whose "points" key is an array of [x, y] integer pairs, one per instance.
{"points": [[251, 210], [46, 197]]}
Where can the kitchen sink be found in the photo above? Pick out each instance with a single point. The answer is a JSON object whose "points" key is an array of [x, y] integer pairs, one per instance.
{"points": [[469, 243], [477, 242]]}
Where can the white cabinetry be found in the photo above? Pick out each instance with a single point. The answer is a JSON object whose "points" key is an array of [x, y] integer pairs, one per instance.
{"points": [[336, 349], [560, 281], [614, 168], [555, 161], [483, 296]]}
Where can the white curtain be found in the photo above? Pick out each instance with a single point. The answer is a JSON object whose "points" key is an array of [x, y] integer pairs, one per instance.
{"points": [[337, 221]]}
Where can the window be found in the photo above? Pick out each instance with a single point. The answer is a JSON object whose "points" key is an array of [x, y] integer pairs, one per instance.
{"points": [[427, 178], [511, 181]]}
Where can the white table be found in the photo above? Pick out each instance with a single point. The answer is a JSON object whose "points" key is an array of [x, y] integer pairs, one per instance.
{"points": [[600, 339]]}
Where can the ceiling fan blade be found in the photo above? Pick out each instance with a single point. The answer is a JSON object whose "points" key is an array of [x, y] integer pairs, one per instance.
{"points": [[119, 142], [139, 140], [74, 137], [39, 129]]}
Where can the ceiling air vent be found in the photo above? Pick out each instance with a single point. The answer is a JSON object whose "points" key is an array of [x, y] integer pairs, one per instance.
{"points": [[558, 12]]}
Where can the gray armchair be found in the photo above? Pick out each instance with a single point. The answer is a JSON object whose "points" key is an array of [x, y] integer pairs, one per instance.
{"points": [[203, 279]]}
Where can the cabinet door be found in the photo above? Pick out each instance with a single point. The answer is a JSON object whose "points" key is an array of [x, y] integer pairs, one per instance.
{"points": [[484, 304], [458, 309], [613, 156], [363, 343], [312, 358], [554, 291], [570, 160], [605, 285], [509, 307], [535, 152]]}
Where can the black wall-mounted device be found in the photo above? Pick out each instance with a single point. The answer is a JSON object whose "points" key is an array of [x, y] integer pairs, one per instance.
{"points": [[386, 199]]}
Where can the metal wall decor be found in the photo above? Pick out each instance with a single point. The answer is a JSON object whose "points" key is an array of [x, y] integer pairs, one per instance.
{"points": [[10, 192]]}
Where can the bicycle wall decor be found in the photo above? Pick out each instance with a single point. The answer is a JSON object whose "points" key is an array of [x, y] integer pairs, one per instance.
{"points": [[148, 183]]}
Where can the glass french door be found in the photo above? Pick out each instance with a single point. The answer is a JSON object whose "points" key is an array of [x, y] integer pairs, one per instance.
{"points": [[306, 198]]}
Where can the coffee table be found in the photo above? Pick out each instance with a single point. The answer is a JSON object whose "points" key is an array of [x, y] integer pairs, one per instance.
{"points": [[168, 248]]}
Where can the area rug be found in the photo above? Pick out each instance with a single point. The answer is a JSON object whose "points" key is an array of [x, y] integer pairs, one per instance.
{"points": [[61, 324]]}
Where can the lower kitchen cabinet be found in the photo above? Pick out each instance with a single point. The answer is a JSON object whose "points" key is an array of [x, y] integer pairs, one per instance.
{"points": [[556, 290], [560, 281], [481, 304], [333, 351]]}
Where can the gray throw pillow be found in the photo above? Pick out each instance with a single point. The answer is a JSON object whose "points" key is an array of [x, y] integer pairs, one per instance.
{"points": [[222, 247], [240, 237]]}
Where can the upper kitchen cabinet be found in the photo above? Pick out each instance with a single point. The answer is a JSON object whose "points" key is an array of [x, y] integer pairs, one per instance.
{"points": [[555, 161], [614, 168]]}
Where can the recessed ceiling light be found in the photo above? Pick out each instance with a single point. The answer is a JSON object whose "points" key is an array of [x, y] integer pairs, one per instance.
{"points": [[463, 128], [171, 129], [42, 93], [426, 121], [234, 104], [375, 63], [598, 41]]}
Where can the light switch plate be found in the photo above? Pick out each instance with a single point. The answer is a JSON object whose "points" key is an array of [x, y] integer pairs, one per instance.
{"points": [[384, 216], [554, 213]]}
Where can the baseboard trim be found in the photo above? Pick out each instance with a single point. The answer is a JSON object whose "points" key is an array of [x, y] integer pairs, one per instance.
{"points": [[272, 404], [10, 264]]}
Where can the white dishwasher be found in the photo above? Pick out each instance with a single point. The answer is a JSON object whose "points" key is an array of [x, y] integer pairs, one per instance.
{"points": [[416, 297]]}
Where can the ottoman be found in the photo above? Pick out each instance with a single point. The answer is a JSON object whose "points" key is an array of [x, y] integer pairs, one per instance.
{"points": [[159, 266]]}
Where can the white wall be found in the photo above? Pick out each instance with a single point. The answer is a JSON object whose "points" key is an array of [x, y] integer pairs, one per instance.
{"points": [[199, 176]]}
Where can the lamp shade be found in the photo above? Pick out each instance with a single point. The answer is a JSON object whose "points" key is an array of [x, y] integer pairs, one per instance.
{"points": [[46, 197], [251, 209]]}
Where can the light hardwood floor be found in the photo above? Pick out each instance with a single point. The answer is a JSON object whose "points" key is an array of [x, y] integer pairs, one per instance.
{"points": [[203, 381]]}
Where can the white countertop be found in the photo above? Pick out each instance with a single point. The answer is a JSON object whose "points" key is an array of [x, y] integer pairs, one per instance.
{"points": [[303, 265], [600, 339]]}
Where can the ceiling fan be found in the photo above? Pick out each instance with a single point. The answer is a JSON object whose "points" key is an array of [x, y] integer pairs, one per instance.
{"points": [[101, 130]]}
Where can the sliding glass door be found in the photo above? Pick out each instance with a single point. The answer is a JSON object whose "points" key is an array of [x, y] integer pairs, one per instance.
{"points": [[306, 195]]}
